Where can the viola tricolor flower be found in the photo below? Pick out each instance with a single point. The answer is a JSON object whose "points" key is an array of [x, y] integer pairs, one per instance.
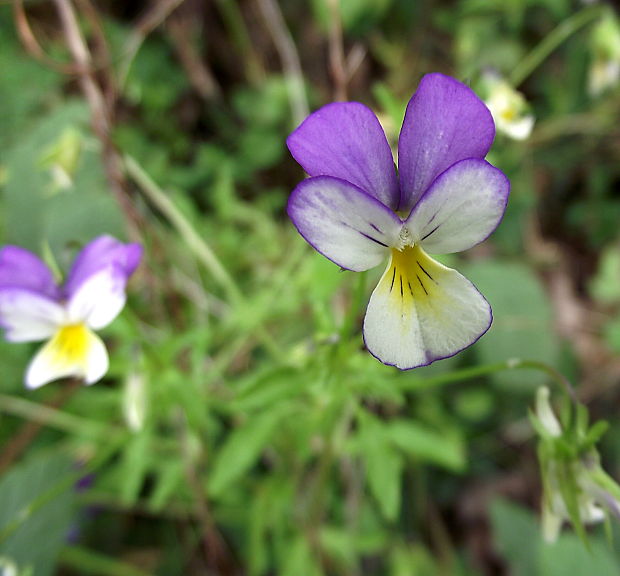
{"points": [[509, 108], [575, 487], [33, 307], [356, 210]]}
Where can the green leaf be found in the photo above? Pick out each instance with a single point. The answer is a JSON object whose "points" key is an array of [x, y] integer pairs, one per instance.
{"points": [[426, 445], [299, 560], [240, 451], [522, 325], [383, 463], [605, 286], [517, 537], [41, 531], [36, 211], [568, 556], [168, 481], [135, 465]]}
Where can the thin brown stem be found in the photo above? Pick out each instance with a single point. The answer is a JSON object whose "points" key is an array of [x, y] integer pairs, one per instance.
{"points": [[217, 553], [274, 21], [151, 20], [337, 65], [100, 114], [31, 44], [200, 76]]}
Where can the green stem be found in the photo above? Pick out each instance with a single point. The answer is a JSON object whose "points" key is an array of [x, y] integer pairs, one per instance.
{"points": [[196, 244], [52, 417], [486, 370], [553, 40], [87, 562]]}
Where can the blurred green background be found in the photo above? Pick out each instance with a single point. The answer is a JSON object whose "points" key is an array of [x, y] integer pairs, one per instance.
{"points": [[242, 428]]}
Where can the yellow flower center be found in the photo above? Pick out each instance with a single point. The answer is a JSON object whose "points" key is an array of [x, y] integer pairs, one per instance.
{"points": [[412, 274], [70, 344]]}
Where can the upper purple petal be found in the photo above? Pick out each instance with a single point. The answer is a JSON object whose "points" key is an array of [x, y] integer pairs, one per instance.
{"points": [[345, 140], [102, 253], [445, 122], [21, 268]]}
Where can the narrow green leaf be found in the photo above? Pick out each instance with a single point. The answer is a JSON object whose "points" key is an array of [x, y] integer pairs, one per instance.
{"points": [[241, 450], [426, 445]]}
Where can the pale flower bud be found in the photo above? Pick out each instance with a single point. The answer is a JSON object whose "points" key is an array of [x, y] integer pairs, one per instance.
{"points": [[134, 401]]}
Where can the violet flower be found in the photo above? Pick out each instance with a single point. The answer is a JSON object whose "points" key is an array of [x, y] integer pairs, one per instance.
{"points": [[33, 307], [356, 210]]}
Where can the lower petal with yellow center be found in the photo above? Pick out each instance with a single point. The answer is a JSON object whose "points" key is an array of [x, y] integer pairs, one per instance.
{"points": [[73, 351], [422, 311]]}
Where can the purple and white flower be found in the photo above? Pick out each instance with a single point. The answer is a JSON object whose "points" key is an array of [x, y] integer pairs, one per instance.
{"points": [[34, 307], [356, 210]]}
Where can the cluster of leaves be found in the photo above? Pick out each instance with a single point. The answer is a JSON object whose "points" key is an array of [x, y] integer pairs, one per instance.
{"points": [[266, 425]]}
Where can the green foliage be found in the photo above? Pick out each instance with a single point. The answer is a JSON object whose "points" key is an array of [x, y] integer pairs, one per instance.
{"points": [[518, 537], [270, 435], [522, 324], [32, 530]]}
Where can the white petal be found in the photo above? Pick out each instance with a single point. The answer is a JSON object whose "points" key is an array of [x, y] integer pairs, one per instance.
{"points": [[551, 524], [28, 316], [462, 207], [545, 414], [342, 222], [99, 299], [422, 311], [519, 128], [73, 351]]}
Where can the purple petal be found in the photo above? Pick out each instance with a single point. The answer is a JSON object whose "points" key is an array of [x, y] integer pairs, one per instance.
{"points": [[345, 140], [103, 252], [20, 268], [99, 299], [445, 122], [343, 223]]}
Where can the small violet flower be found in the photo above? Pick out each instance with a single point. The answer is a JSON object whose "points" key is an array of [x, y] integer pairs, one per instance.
{"points": [[508, 107], [33, 307], [604, 72], [356, 210], [575, 487]]}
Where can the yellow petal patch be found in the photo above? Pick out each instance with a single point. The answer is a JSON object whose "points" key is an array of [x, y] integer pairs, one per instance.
{"points": [[70, 345], [413, 277], [73, 351], [422, 311]]}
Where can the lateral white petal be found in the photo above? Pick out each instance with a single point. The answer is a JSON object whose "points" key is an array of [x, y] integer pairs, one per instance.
{"points": [[73, 351], [422, 311], [99, 299], [28, 316], [342, 222], [462, 207]]}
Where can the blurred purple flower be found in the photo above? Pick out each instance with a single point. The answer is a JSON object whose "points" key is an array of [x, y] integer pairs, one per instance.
{"points": [[33, 307], [356, 210]]}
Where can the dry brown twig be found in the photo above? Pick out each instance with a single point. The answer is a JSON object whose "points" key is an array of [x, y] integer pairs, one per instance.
{"points": [[337, 64], [100, 112], [151, 20], [274, 21], [200, 76]]}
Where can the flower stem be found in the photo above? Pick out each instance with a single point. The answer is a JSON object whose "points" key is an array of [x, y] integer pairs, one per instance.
{"points": [[194, 242], [553, 40], [487, 369], [87, 561]]}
